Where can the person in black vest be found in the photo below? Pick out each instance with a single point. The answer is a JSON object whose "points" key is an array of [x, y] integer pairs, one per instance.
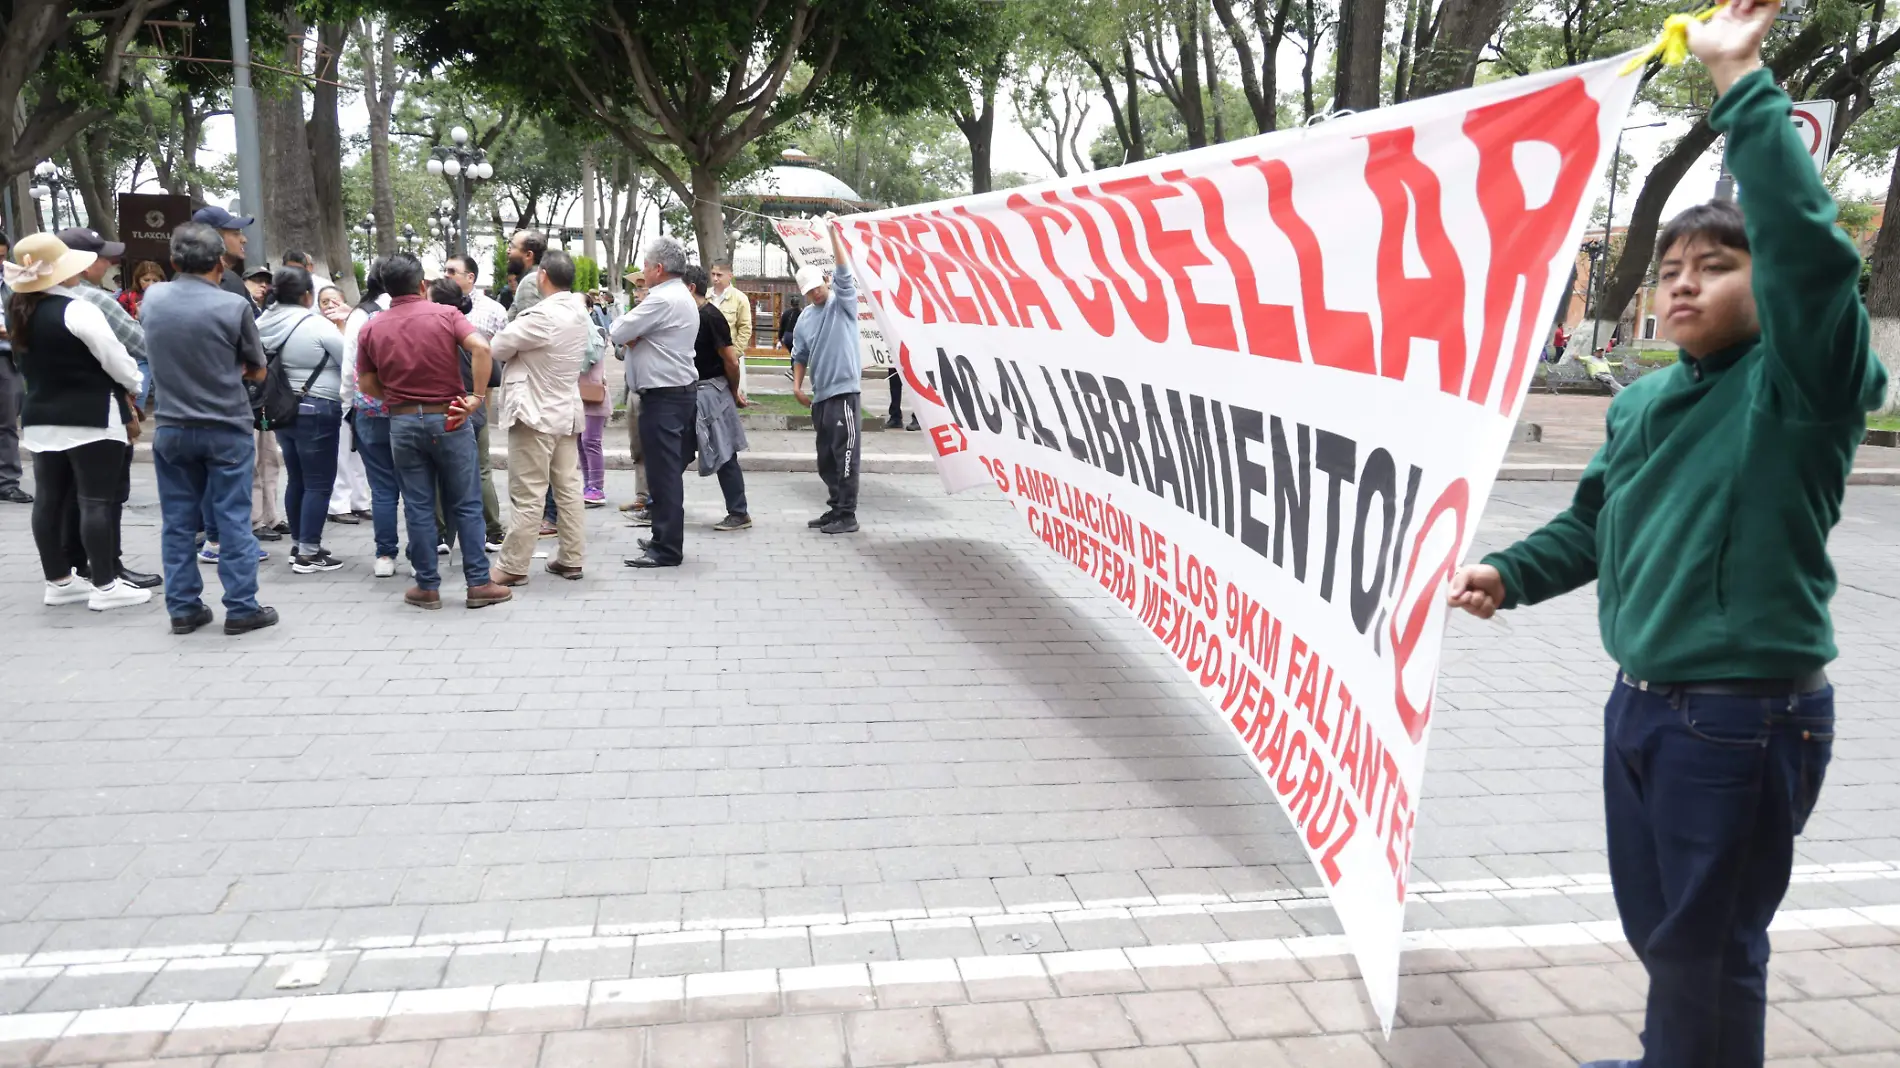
{"points": [[79, 383]]}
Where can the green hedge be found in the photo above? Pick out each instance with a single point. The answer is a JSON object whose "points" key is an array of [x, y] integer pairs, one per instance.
{"points": [[586, 274]]}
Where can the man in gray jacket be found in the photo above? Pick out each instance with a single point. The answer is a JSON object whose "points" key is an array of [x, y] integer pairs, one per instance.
{"points": [[826, 342]]}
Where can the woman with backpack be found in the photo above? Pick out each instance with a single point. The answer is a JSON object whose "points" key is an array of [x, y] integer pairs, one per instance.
{"points": [[80, 387], [309, 353]]}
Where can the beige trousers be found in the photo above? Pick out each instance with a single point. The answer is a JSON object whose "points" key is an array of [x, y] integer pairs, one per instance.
{"points": [[537, 460], [633, 444], [267, 494]]}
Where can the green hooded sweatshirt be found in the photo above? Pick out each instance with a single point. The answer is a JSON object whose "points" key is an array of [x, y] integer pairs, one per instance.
{"points": [[1704, 517]]}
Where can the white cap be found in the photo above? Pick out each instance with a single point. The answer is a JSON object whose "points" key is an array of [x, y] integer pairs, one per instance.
{"points": [[810, 278]]}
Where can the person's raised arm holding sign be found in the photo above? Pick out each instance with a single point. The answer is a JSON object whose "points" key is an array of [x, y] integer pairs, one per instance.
{"points": [[1704, 519]]}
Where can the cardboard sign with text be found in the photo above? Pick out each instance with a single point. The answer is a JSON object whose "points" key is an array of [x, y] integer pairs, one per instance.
{"points": [[805, 240], [1260, 393]]}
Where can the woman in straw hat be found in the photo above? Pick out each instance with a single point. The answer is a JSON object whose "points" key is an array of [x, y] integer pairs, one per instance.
{"points": [[79, 381]]}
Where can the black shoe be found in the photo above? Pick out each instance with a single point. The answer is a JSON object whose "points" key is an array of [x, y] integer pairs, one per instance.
{"points": [[894, 423], [818, 523], [321, 560], [258, 620], [348, 519], [647, 561], [912, 425], [644, 544], [266, 534], [196, 617], [844, 524], [281, 527], [16, 495], [139, 578]]}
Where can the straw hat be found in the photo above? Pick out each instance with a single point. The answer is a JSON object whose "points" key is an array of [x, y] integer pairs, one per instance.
{"points": [[42, 261]]}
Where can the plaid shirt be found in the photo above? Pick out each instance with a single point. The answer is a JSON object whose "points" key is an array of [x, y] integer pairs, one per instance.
{"points": [[486, 316], [124, 327]]}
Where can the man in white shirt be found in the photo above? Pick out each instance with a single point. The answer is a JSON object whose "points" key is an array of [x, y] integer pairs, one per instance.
{"points": [[541, 411], [661, 330], [488, 317]]}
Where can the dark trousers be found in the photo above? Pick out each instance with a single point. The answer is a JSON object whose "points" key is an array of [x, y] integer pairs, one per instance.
{"points": [[75, 543], [666, 438], [897, 396], [309, 446], [1704, 796], [839, 426], [12, 395], [83, 481]]}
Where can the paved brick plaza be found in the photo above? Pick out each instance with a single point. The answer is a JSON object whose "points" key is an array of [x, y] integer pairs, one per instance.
{"points": [[919, 795]]}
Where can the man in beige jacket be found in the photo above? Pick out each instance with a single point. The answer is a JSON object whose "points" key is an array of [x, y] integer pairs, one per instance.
{"points": [[541, 411], [737, 308]]}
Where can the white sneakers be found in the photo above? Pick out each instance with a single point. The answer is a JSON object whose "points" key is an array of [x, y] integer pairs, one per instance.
{"points": [[97, 598], [385, 568], [118, 595], [71, 591]]}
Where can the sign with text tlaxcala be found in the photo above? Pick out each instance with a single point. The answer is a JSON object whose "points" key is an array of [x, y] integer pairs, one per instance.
{"points": [[146, 222], [1260, 393], [808, 245]]}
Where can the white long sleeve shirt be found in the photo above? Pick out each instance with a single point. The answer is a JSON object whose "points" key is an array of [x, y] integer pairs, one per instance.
{"points": [[89, 325]]}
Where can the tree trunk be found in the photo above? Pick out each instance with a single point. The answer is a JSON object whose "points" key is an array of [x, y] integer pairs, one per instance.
{"points": [[1306, 63], [325, 138], [1211, 69], [290, 190], [1137, 139], [1361, 50], [1450, 61], [1188, 47], [1402, 77], [709, 216], [378, 48], [589, 246], [613, 216], [92, 173]]}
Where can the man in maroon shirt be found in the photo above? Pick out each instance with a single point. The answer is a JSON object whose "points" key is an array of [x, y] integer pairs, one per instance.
{"points": [[408, 357]]}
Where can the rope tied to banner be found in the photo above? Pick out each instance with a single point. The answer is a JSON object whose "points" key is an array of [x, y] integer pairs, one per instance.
{"points": [[1671, 46]]}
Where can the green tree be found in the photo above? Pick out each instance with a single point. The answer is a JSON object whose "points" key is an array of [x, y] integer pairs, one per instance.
{"points": [[688, 87], [911, 159]]}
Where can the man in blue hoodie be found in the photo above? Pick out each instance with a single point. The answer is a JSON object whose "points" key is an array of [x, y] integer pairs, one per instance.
{"points": [[825, 342]]}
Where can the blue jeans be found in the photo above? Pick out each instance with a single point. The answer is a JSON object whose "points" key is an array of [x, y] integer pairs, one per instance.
{"points": [[206, 472], [145, 385], [310, 446], [385, 494], [1704, 796], [425, 452]]}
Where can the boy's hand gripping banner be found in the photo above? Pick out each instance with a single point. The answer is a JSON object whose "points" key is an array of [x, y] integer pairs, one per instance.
{"points": [[805, 240], [1260, 392]]}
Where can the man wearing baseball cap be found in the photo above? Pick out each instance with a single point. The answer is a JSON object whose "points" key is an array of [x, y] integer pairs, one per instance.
{"points": [[231, 228], [89, 287]]}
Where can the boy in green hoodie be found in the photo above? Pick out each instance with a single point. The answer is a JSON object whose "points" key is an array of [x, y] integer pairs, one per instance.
{"points": [[1704, 520]]}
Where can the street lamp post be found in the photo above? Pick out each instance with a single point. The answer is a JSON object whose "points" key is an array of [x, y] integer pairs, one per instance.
{"points": [[462, 166], [51, 185], [409, 239], [367, 227], [442, 226], [1609, 219]]}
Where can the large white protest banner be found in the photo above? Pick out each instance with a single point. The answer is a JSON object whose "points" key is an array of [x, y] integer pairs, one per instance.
{"points": [[1260, 392], [810, 246]]}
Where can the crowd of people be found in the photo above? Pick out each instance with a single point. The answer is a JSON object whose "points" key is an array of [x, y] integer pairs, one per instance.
{"points": [[280, 408]]}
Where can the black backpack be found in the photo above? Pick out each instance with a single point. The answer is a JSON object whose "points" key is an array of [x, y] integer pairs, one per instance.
{"points": [[273, 402]]}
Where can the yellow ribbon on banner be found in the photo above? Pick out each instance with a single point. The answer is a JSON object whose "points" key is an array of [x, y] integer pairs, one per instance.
{"points": [[1672, 45]]}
